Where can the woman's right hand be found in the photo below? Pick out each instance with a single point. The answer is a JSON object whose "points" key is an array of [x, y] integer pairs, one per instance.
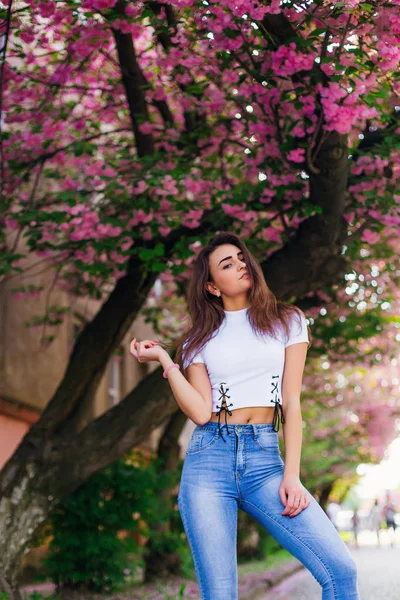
{"points": [[146, 350]]}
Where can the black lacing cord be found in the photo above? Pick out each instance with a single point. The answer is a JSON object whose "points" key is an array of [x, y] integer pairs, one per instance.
{"points": [[275, 421], [223, 408]]}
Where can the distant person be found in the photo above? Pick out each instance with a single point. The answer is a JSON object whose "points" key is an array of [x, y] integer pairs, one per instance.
{"points": [[355, 520], [332, 510], [376, 518], [389, 513]]}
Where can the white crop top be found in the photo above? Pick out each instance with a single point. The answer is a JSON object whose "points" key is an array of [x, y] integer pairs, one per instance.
{"points": [[246, 369]]}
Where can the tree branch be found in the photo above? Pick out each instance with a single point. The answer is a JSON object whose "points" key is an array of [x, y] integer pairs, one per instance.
{"points": [[133, 83], [118, 430], [313, 257], [193, 119]]}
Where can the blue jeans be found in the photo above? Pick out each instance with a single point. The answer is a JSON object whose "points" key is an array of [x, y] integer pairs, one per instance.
{"points": [[244, 470]]}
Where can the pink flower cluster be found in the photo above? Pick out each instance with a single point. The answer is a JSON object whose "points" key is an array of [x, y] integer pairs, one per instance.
{"points": [[371, 237], [98, 4], [286, 61], [297, 155], [87, 225], [341, 109], [370, 165], [389, 55], [239, 212]]}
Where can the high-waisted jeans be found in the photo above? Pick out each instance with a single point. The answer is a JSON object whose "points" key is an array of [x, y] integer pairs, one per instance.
{"points": [[244, 470]]}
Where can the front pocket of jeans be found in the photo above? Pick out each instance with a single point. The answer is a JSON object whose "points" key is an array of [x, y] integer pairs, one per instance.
{"points": [[201, 440], [268, 443]]}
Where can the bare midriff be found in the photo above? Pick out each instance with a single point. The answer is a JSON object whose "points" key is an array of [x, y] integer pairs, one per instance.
{"points": [[250, 414]]}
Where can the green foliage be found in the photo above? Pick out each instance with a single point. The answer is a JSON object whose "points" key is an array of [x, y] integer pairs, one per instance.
{"points": [[92, 545]]}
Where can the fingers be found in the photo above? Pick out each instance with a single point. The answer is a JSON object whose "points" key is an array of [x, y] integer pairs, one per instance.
{"points": [[297, 501], [134, 347], [149, 343], [282, 495], [302, 504], [290, 507]]}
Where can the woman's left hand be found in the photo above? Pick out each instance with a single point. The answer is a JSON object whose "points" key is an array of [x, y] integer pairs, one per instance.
{"points": [[293, 495]]}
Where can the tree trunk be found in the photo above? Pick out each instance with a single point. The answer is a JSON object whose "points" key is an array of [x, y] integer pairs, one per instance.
{"points": [[48, 473], [324, 495], [164, 563]]}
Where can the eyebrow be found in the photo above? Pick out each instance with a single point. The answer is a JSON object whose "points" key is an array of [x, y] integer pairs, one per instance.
{"points": [[228, 257]]}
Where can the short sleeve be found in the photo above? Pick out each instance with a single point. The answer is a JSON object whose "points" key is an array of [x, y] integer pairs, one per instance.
{"points": [[195, 358], [297, 331]]}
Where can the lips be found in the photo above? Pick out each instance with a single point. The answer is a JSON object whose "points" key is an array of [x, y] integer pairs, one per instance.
{"points": [[243, 275]]}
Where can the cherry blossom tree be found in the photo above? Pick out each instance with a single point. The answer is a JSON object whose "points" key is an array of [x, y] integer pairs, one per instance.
{"points": [[130, 131]]}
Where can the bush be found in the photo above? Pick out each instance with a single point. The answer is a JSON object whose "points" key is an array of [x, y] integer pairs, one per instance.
{"points": [[92, 545]]}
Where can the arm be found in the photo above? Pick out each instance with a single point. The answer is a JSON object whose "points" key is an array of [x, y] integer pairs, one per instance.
{"points": [[295, 357], [291, 488], [193, 395]]}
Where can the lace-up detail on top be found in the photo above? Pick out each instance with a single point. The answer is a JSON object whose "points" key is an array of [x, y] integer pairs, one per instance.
{"points": [[224, 407]]}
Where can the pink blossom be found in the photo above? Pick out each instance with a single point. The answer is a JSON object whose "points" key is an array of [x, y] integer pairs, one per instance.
{"points": [[140, 187], [47, 8], [272, 234], [285, 61], [389, 55], [11, 223], [297, 155], [146, 128], [101, 4], [164, 231], [371, 237]]}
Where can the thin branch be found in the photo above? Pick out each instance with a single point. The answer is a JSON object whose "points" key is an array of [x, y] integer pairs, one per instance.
{"points": [[49, 266], [341, 44], [48, 294]]}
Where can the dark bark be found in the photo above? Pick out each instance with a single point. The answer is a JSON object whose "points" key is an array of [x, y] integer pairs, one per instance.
{"points": [[312, 258], [132, 79], [324, 495], [159, 563]]}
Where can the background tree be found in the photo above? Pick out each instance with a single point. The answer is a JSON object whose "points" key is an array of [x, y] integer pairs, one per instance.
{"points": [[130, 131]]}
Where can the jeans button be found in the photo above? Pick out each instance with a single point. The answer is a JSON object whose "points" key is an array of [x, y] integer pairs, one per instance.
{"points": [[238, 428]]}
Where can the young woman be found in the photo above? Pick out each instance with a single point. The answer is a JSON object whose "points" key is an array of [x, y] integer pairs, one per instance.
{"points": [[243, 358]]}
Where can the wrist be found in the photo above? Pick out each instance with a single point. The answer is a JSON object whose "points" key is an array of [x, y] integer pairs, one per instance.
{"points": [[294, 474], [165, 359]]}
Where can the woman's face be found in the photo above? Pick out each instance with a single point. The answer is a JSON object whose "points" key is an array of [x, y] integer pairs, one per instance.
{"points": [[228, 272]]}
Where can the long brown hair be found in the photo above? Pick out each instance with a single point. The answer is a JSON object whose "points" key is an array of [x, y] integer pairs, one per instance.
{"points": [[206, 311]]}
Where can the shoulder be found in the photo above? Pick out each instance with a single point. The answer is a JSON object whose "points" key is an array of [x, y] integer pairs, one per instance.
{"points": [[298, 328]]}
